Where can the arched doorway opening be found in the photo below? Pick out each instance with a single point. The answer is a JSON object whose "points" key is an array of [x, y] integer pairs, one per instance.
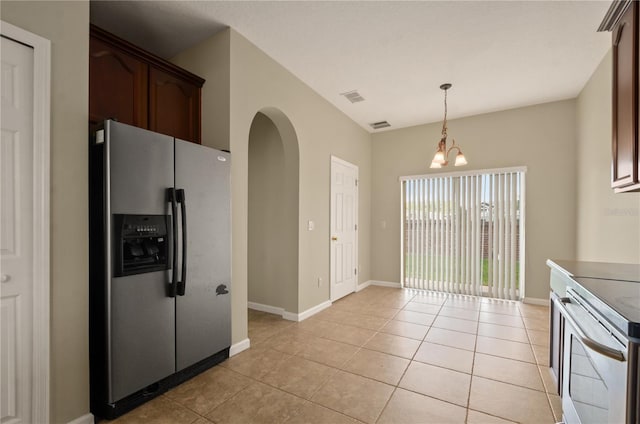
{"points": [[273, 214]]}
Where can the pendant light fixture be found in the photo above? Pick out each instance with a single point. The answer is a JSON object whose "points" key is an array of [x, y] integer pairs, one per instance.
{"points": [[441, 157]]}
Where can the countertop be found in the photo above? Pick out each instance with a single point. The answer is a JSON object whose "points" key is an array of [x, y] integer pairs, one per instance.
{"points": [[599, 270], [613, 289]]}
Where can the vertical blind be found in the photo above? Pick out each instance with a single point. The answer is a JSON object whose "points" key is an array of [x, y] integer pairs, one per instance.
{"points": [[464, 232]]}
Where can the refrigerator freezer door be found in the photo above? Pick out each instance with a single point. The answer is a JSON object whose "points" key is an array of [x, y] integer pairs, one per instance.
{"points": [[141, 321], [141, 168], [203, 313]]}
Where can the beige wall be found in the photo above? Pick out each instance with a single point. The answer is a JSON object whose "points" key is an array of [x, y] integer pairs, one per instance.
{"points": [[273, 217], [258, 82], [66, 24], [540, 137], [210, 60], [608, 224]]}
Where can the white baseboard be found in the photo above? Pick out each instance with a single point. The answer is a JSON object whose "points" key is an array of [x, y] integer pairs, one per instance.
{"points": [[290, 316], [85, 419], [266, 308], [385, 284], [363, 286], [314, 310], [239, 347], [536, 301]]}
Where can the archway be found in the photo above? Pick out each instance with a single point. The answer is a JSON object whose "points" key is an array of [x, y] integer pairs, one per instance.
{"points": [[273, 213]]}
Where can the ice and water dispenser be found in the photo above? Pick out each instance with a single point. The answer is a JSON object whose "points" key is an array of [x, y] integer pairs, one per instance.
{"points": [[141, 244]]}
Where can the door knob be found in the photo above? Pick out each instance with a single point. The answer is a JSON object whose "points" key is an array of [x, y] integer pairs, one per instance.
{"points": [[5, 278], [334, 238]]}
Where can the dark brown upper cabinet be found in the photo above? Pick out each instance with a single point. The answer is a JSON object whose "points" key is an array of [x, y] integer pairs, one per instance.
{"points": [[174, 105], [117, 85], [138, 88], [622, 20]]}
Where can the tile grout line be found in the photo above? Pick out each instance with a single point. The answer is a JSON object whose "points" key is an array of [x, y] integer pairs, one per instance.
{"points": [[359, 349], [397, 385], [467, 408], [412, 359], [473, 364], [541, 378], [334, 371]]}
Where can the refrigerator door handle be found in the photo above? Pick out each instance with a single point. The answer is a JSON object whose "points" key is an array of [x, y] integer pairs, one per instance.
{"points": [[171, 195], [182, 284]]}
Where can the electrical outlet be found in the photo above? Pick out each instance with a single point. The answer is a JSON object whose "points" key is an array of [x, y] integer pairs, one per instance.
{"points": [[319, 281]]}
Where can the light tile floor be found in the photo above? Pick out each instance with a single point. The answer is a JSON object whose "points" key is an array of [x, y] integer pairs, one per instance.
{"points": [[381, 355]]}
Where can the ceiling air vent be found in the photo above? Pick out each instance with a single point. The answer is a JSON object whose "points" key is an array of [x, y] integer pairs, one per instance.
{"points": [[381, 124], [353, 96]]}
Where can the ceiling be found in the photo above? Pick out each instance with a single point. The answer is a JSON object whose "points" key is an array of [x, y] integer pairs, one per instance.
{"points": [[497, 54]]}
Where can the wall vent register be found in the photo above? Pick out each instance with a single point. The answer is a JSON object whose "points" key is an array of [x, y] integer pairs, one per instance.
{"points": [[353, 96], [380, 124]]}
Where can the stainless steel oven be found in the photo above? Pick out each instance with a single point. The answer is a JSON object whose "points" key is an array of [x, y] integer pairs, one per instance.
{"points": [[596, 367]]}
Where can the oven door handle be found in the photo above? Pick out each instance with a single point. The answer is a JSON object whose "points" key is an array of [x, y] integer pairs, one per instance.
{"points": [[587, 341]]}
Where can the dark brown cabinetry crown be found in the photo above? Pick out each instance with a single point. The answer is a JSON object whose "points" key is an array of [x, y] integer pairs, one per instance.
{"points": [[622, 20], [135, 87]]}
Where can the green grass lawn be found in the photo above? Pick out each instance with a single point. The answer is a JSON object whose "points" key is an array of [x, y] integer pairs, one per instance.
{"points": [[419, 273]]}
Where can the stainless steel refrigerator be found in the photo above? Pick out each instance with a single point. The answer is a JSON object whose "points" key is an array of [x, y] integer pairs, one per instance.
{"points": [[160, 268]]}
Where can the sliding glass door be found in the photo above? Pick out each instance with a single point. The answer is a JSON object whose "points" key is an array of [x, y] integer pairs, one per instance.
{"points": [[463, 232]]}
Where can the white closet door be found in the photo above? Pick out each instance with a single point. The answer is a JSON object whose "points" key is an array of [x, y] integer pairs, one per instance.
{"points": [[16, 233]]}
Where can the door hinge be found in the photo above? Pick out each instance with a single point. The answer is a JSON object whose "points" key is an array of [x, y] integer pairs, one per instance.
{"points": [[355, 271], [356, 183], [356, 227]]}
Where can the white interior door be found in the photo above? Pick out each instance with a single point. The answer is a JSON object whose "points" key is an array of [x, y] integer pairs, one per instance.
{"points": [[16, 232], [344, 228]]}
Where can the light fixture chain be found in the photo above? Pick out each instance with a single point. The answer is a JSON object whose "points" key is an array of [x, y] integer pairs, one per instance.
{"points": [[444, 123]]}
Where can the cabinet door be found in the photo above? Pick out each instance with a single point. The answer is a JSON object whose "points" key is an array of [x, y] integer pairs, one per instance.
{"points": [[117, 86], [174, 106], [625, 100]]}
